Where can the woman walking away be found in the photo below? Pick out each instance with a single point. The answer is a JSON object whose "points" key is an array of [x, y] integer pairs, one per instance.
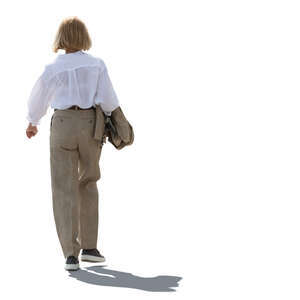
{"points": [[78, 88]]}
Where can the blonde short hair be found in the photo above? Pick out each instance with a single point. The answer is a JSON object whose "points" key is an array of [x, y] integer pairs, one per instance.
{"points": [[72, 35]]}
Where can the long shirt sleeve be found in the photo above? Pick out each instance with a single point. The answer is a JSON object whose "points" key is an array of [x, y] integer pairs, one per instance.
{"points": [[39, 99], [105, 94]]}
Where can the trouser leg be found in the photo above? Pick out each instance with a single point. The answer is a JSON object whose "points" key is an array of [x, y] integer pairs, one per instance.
{"points": [[89, 174], [64, 181]]}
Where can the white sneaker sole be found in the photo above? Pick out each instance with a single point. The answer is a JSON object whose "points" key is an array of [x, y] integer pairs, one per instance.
{"points": [[92, 258], [71, 267]]}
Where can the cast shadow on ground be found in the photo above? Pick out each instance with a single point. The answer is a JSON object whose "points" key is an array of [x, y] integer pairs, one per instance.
{"points": [[99, 275]]}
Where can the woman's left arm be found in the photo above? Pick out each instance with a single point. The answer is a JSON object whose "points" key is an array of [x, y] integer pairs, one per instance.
{"points": [[38, 103]]}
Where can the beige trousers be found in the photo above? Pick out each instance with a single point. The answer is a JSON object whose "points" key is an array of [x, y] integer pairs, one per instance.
{"points": [[74, 162]]}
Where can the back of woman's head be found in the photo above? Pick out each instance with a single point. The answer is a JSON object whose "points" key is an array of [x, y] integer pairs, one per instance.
{"points": [[72, 35]]}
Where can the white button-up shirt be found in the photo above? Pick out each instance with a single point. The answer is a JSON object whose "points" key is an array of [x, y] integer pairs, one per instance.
{"points": [[76, 78]]}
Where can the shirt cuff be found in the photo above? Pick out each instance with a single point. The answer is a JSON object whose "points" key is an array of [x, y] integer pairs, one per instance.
{"points": [[33, 123], [108, 113]]}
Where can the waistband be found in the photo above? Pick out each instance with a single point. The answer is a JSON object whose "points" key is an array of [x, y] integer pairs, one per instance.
{"points": [[73, 112]]}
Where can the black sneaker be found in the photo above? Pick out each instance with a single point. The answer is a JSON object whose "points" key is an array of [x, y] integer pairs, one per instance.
{"points": [[92, 255], [72, 263]]}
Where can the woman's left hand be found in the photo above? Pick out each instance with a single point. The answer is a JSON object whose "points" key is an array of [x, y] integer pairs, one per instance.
{"points": [[31, 130]]}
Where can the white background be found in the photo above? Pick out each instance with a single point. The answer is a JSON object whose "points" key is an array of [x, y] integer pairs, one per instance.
{"points": [[209, 191]]}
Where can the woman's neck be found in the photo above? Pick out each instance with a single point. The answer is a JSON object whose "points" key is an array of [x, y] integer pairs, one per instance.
{"points": [[70, 51]]}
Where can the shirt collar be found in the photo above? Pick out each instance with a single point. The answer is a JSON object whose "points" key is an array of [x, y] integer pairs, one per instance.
{"points": [[79, 52], [69, 55]]}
